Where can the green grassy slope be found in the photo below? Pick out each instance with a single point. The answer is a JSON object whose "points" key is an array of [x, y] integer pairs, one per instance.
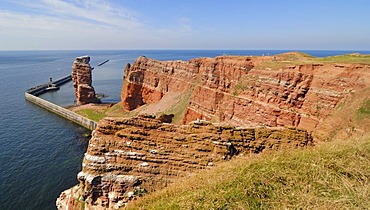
{"points": [[334, 175], [350, 119], [298, 58]]}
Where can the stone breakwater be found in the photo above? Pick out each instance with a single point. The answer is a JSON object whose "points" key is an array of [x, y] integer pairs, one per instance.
{"points": [[63, 112], [128, 156], [246, 90], [32, 94], [82, 81]]}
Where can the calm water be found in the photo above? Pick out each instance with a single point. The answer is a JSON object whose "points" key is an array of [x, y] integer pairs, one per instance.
{"points": [[41, 153]]}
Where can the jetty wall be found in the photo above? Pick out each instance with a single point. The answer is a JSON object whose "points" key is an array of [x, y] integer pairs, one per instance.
{"points": [[40, 89], [85, 122]]}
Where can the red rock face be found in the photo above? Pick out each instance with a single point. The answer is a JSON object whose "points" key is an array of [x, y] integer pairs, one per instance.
{"points": [[146, 81], [239, 91], [129, 154], [82, 79]]}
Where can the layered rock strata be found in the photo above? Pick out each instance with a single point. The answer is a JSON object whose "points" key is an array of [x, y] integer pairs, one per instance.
{"points": [[133, 155], [82, 81], [259, 95], [242, 90]]}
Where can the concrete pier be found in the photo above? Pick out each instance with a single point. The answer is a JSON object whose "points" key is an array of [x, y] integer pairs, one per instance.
{"points": [[31, 96], [40, 89]]}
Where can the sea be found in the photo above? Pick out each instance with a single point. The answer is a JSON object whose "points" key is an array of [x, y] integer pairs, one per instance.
{"points": [[40, 152]]}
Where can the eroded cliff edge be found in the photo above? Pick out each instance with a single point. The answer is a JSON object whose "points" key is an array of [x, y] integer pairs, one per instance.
{"points": [[257, 103], [127, 156], [289, 89]]}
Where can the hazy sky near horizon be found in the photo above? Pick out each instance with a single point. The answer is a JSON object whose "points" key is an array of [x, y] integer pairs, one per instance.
{"points": [[188, 24]]}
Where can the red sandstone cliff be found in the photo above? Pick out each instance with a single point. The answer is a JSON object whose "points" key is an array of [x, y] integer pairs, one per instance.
{"points": [[128, 156], [82, 81], [244, 90]]}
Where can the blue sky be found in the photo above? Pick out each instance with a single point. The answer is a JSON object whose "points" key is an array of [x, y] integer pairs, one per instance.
{"points": [[187, 24]]}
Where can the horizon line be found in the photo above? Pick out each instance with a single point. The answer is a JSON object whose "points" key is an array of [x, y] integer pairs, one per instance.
{"points": [[181, 49]]}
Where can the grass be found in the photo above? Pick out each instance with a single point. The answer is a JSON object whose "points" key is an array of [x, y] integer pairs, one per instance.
{"points": [[294, 56], [363, 111], [350, 118], [334, 175], [93, 114], [179, 108], [98, 113], [348, 58], [117, 111], [297, 58]]}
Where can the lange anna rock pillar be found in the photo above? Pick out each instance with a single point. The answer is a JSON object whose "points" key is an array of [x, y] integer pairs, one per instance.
{"points": [[82, 80]]}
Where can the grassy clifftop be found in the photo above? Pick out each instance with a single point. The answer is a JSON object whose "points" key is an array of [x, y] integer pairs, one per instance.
{"points": [[333, 175], [299, 58]]}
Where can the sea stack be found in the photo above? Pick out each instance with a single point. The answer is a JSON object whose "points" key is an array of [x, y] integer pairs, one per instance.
{"points": [[82, 79]]}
